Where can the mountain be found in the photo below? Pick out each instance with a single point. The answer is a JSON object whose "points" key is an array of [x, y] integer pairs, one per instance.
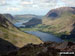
{"points": [[10, 18], [33, 22], [26, 17], [10, 34], [60, 21], [56, 13]]}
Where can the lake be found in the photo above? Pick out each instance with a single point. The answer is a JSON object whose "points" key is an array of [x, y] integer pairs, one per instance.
{"points": [[20, 24], [45, 36]]}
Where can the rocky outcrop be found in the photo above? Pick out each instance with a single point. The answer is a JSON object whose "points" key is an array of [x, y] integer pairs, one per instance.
{"points": [[67, 46], [46, 49]]}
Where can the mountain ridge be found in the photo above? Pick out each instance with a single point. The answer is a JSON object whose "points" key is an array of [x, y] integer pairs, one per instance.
{"points": [[10, 18], [59, 11]]}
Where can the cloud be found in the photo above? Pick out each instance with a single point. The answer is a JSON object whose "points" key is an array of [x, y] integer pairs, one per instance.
{"points": [[13, 9], [38, 3], [24, 2], [69, 2], [45, 1], [30, 6], [3, 3]]}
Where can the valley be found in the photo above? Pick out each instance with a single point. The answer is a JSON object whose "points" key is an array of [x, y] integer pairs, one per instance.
{"points": [[61, 25], [28, 34]]}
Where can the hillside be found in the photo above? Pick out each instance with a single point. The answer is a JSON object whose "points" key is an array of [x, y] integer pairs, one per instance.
{"points": [[33, 22], [11, 34], [59, 13], [59, 21]]}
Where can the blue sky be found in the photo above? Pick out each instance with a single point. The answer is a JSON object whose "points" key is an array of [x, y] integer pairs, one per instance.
{"points": [[38, 7]]}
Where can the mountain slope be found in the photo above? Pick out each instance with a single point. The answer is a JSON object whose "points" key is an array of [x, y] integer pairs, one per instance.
{"points": [[33, 22], [10, 18], [59, 11], [13, 35], [60, 20]]}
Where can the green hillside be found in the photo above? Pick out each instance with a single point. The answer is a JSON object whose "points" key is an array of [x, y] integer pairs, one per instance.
{"points": [[61, 24], [13, 35]]}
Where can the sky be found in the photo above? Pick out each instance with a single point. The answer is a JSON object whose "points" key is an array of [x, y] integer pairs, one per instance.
{"points": [[37, 7]]}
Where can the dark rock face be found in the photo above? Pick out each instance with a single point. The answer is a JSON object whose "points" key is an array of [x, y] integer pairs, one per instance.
{"points": [[73, 31], [33, 22], [53, 15], [6, 47], [67, 46], [71, 36]]}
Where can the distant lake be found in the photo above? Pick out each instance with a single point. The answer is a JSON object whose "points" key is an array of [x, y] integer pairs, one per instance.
{"points": [[45, 36], [20, 24]]}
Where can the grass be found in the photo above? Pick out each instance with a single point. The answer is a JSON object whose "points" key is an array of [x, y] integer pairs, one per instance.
{"points": [[18, 38]]}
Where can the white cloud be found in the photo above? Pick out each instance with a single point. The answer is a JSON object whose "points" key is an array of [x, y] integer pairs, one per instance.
{"points": [[32, 5], [45, 1], [3, 2], [38, 3], [69, 2], [13, 9], [25, 2], [35, 6]]}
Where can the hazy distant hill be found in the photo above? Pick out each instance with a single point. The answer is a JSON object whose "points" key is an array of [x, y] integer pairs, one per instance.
{"points": [[27, 16]]}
